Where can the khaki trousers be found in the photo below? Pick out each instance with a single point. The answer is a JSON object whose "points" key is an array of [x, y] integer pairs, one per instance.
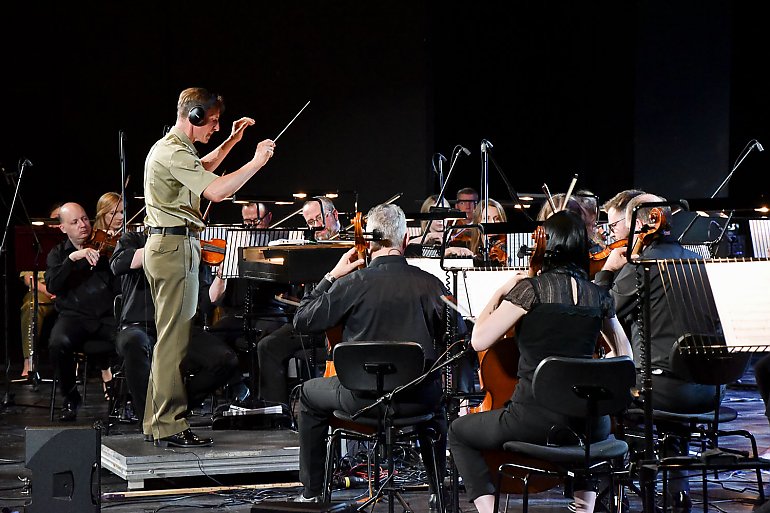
{"points": [[171, 266]]}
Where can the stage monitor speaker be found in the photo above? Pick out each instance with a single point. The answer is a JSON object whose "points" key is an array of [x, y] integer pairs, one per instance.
{"points": [[65, 464], [303, 507]]}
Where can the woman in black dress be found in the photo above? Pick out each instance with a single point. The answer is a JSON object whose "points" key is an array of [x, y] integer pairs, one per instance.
{"points": [[559, 312]]}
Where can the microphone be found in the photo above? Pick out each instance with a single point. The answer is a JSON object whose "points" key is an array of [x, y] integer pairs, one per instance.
{"points": [[27, 162], [486, 145], [350, 482], [465, 150], [759, 146]]}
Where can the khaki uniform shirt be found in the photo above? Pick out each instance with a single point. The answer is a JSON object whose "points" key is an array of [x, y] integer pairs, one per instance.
{"points": [[174, 179]]}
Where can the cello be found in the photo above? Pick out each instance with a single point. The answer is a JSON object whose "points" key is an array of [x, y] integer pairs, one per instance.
{"points": [[334, 334]]}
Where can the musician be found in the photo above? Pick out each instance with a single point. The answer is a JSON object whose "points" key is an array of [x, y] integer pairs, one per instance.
{"points": [[45, 306], [498, 252], [671, 393], [85, 288], [109, 213], [466, 200], [328, 220], [388, 300], [256, 215], [582, 203], [558, 312], [615, 207], [228, 323], [276, 349], [209, 362], [432, 233], [175, 179]]}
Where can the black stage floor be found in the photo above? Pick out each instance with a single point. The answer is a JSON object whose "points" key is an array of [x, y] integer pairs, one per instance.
{"points": [[238, 490]]}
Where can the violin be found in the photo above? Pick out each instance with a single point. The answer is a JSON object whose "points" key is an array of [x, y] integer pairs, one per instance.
{"points": [[102, 241], [213, 251], [461, 237], [498, 251], [597, 259]]}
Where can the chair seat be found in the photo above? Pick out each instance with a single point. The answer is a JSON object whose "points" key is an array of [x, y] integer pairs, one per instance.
{"points": [[372, 421], [726, 414], [604, 450]]}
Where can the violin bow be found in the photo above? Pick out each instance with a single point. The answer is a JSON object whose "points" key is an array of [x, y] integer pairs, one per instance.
{"points": [[569, 192], [548, 196]]}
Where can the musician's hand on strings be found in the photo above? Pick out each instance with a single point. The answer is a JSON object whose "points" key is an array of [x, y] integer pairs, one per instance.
{"points": [[348, 263], [90, 254], [239, 126], [616, 260], [264, 151], [458, 251]]}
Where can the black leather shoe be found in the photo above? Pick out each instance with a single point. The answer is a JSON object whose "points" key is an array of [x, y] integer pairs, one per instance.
{"points": [[184, 439], [148, 438], [69, 410]]}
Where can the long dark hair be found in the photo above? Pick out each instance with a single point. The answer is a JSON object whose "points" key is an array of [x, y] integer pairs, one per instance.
{"points": [[567, 242]]}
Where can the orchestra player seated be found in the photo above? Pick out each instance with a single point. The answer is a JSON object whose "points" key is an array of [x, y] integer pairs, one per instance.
{"points": [[387, 300], [80, 278], [278, 347], [432, 233], [557, 312], [209, 363], [671, 393]]}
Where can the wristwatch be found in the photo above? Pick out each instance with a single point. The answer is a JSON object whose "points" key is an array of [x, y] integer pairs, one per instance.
{"points": [[328, 276]]}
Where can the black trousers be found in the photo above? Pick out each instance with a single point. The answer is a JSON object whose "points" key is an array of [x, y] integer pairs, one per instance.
{"points": [[762, 375], [321, 396], [209, 363], [274, 352], [473, 433], [67, 337]]}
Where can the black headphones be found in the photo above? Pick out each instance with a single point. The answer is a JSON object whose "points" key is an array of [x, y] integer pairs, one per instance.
{"points": [[197, 114]]}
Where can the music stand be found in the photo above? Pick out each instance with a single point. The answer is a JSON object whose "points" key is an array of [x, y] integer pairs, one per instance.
{"points": [[32, 245]]}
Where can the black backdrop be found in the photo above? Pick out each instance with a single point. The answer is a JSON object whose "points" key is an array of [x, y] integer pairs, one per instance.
{"points": [[624, 94]]}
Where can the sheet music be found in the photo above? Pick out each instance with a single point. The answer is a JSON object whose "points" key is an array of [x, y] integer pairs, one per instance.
{"points": [[742, 301], [474, 286], [249, 237], [760, 237], [216, 231]]}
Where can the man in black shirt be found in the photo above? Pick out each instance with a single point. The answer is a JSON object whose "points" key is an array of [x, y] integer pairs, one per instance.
{"points": [[85, 288], [388, 300], [210, 361]]}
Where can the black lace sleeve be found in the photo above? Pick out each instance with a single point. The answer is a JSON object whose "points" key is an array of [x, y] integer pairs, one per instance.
{"points": [[608, 304], [523, 295]]}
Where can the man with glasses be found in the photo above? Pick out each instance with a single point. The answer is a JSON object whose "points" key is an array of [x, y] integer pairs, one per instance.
{"points": [[467, 199], [328, 220], [618, 229], [256, 215]]}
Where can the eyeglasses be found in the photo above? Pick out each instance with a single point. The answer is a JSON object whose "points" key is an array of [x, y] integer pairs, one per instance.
{"points": [[315, 221], [611, 226]]}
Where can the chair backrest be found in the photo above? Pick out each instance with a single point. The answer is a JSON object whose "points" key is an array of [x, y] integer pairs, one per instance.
{"points": [[568, 385], [359, 364], [117, 307], [706, 359]]}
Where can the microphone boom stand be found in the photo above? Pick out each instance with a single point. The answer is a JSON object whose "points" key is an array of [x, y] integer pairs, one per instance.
{"points": [[8, 396]]}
